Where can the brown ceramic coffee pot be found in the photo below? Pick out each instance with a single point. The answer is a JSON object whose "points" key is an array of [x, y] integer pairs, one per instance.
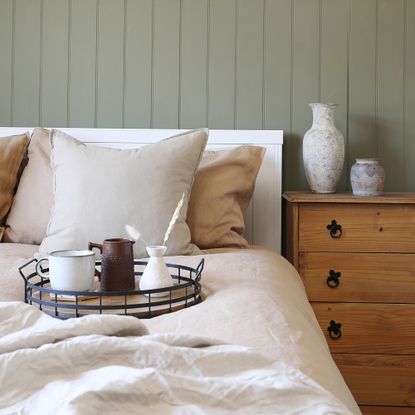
{"points": [[117, 264]]}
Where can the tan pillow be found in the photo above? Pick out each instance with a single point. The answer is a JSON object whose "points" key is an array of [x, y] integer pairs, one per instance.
{"points": [[221, 193], [12, 152], [30, 212], [98, 190]]}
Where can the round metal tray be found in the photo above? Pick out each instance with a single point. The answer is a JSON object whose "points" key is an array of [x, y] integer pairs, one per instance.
{"points": [[184, 292]]}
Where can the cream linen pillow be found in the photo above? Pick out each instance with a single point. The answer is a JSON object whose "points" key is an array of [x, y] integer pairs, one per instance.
{"points": [[32, 203], [12, 152], [221, 193], [99, 190]]}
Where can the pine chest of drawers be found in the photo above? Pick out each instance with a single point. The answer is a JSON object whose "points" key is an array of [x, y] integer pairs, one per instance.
{"points": [[356, 257]]}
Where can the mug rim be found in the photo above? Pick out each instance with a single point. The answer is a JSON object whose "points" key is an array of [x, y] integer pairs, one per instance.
{"points": [[82, 253]]}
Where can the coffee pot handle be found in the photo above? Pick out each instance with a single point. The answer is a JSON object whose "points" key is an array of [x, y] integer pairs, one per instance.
{"points": [[92, 245]]}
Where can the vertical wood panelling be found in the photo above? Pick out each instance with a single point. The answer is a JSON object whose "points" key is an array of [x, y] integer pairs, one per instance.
{"points": [[249, 71], [390, 90], [221, 65], [54, 99], [306, 72], [193, 99], [277, 61], [362, 79], [166, 63], [333, 66], [6, 43], [138, 32], [82, 63], [110, 93], [26, 66], [410, 97]]}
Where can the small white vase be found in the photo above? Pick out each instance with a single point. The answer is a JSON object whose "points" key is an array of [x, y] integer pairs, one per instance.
{"points": [[367, 177], [323, 150], [156, 274]]}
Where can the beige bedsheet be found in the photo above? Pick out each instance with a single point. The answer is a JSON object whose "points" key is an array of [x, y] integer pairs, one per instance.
{"points": [[252, 297]]}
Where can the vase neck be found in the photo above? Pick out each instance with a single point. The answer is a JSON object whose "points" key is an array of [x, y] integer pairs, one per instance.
{"points": [[323, 115]]}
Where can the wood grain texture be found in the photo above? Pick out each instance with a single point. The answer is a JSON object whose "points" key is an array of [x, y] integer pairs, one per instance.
{"points": [[291, 233], [379, 379], [365, 228], [386, 410], [369, 328], [386, 198], [364, 277]]}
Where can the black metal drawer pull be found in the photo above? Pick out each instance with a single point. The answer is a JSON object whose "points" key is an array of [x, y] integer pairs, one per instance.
{"points": [[333, 279], [335, 229], [334, 330]]}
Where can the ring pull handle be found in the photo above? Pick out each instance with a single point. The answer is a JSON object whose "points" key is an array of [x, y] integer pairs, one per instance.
{"points": [[334, 330], [335, 229], [333, 279]]}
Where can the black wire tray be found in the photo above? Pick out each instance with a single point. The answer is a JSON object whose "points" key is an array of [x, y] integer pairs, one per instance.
{"points": [[185, 292]]}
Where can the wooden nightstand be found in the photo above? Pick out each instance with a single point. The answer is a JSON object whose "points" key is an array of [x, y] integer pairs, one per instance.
{"points": [[356, 256]]}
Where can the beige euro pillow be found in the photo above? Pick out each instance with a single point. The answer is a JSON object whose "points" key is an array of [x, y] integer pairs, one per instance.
{"points": [[32, 203], [223, 188], [12, 151], [98, 190]]}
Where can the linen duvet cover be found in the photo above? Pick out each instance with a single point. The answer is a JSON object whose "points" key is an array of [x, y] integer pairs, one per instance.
{"points": [[252, 345]]}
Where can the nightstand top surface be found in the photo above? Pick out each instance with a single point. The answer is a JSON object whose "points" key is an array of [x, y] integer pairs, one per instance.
{"points": [[387, 197]]}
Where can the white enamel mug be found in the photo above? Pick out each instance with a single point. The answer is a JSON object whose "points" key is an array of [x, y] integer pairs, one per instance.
{"points": [[70, 270]]}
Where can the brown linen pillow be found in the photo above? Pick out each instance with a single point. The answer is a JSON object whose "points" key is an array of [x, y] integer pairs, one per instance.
{"points": [[32, 204], [12, 152], [221, 193]]}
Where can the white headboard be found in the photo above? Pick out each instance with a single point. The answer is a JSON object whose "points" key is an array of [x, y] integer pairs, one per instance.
{"points": [[263, 218]]}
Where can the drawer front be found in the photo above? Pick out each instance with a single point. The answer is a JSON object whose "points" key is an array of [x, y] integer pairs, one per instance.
{"points": [[368, 328], [379, 379], [364, 228], [387, 410], [355, 277]]}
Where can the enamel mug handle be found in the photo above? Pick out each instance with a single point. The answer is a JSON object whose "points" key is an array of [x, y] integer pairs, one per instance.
{"points": [[38, 268]]}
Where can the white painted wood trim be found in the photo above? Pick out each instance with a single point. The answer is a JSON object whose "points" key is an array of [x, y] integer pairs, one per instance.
{"points": [[265, 211]]}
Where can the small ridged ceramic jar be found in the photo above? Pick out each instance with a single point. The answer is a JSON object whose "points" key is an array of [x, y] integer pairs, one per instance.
{"points": [[367, 177]]}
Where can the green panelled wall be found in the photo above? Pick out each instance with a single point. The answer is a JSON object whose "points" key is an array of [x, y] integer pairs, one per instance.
{"points": [[247, 64]]}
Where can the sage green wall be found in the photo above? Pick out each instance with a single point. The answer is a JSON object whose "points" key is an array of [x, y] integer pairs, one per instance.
{"points": [[219, 63]]}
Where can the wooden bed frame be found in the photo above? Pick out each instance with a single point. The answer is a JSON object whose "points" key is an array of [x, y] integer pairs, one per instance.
{"points": [[263, 218]]}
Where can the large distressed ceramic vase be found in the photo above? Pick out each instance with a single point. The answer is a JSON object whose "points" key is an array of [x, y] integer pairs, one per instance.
{"points": [[323, 150]]}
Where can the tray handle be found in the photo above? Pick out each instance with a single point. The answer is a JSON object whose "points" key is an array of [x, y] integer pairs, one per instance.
{"points": [[199, 268], [24, 266]]}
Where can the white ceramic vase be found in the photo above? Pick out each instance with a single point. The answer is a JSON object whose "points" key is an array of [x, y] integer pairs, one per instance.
{"points": [[156, 274], [323, 150], [367, 177]]}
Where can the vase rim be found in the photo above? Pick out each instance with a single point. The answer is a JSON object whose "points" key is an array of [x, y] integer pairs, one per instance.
{"points": [[323, 104], [367, 160]]}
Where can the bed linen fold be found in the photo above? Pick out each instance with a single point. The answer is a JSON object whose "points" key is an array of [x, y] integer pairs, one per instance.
{"points": [[119, 368]]}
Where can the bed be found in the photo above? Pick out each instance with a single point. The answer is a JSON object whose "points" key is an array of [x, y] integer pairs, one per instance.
{"points": [[253, 335]]}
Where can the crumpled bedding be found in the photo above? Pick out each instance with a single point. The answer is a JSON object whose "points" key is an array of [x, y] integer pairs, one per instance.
{"points": [[110, 364], [251, 297]]}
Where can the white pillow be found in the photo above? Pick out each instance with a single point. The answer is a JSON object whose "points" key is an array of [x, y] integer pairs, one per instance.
{"points": [[99, 190]]}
